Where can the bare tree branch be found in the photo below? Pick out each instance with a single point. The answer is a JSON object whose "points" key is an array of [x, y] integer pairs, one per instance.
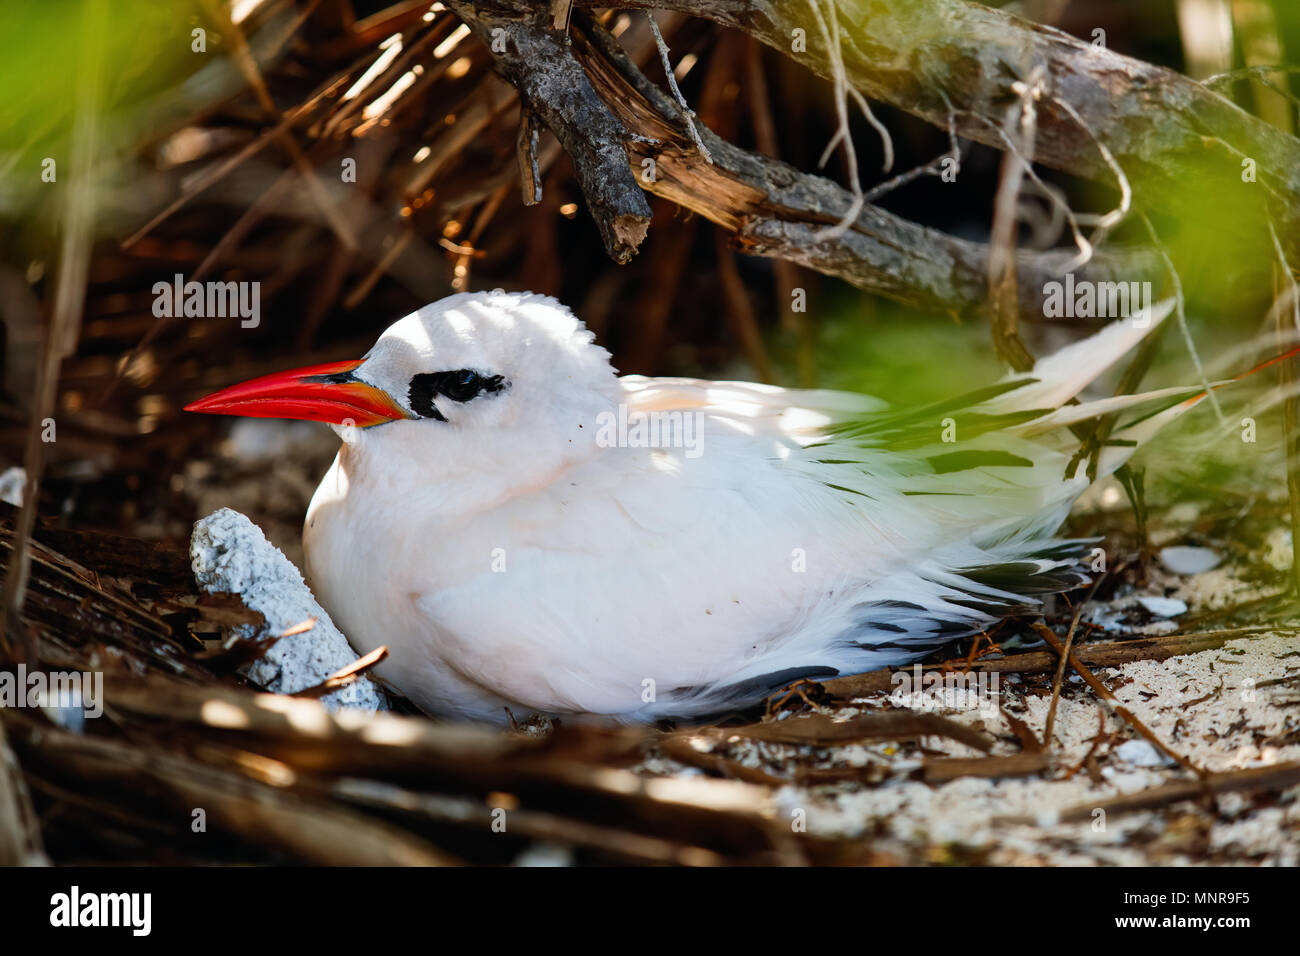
{"points": [[540, 64], [612, 120], [776, 210], [1180, 144]]}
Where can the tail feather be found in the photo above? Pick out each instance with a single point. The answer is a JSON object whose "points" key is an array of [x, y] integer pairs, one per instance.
{"points": [[1169, 404], [1087, 411], [1144, 428], [1061, 376]]}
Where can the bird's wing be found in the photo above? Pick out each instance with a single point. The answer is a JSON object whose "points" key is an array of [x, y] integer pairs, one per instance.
{"points": [[988, 502], [995, 464], [766, 409], [967, 493], [1059, 377]]}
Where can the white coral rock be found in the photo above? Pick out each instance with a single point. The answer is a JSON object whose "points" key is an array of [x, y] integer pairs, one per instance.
{"points": [[229, 553]]}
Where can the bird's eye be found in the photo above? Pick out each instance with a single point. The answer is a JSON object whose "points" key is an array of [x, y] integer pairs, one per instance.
{"points": [[459, 385], [462, 385]]}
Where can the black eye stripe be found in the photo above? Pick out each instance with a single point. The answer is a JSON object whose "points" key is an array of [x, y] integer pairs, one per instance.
{"points": [[459, 385]]}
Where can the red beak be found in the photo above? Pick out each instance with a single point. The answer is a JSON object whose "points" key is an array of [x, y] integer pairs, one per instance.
{"points": [[320, 393]]}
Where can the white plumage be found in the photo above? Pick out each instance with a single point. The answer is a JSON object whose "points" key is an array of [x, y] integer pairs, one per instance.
{"points": [[508, 557]]}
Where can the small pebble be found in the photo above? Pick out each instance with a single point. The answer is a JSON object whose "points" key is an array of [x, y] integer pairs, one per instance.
{"points": [[1141, 753], [545, 854], [1163, 606], [1183, 559], [11, 486]]}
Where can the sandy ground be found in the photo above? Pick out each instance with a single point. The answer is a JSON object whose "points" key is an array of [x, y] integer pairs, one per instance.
{"points": [[1233, 708], [1209, 707]]}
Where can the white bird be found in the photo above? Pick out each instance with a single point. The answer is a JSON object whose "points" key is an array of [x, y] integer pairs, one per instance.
{"points": [[496, 517]]}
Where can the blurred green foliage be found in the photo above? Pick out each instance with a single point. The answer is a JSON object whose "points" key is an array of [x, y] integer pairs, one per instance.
{"points": [[146, 51]]}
